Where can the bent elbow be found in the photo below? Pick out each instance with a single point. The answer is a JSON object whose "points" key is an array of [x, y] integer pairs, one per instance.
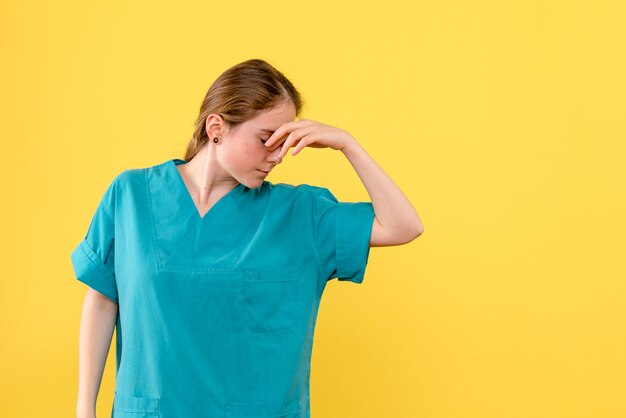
{"points": [[414, 234], [417, 232]]}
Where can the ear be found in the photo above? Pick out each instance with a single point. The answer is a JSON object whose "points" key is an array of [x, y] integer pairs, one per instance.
{"points": [[214, 125]]}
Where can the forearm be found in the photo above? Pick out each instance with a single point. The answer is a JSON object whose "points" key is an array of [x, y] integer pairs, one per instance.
{"points": [[393, 210], [98, 320]]}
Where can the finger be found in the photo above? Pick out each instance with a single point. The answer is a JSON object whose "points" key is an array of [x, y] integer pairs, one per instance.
{"points": [[282, 130], [270, 140], [294, 139], [280, 141], [287, 144], [296, 149], [303, 143], [276, 138]]}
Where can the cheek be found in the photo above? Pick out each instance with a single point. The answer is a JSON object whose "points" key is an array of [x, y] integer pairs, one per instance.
{"points": [[252, 151], [243, 156]]}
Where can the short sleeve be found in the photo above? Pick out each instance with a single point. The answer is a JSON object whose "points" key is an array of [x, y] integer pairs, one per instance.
{"points": [[93, 258], [342, 235]]}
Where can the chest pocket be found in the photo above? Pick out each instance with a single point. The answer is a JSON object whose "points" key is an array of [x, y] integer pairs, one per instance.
{"points": [[272, 298], [135, 407]]}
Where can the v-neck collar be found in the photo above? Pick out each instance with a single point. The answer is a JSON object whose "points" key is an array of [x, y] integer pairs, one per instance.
{"points": [[185, 242], [172, 163]]}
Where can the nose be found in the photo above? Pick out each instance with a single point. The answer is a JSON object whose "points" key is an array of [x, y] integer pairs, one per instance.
{"points": [[274, 156]]}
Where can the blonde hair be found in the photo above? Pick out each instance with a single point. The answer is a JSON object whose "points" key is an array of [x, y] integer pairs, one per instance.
{"points": [[239, 94]]}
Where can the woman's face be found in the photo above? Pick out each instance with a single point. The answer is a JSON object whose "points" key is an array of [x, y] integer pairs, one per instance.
{"points": [[242, 153]]}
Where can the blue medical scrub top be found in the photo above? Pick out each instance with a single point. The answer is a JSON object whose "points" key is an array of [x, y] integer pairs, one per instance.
{"points": [[216, 313]]}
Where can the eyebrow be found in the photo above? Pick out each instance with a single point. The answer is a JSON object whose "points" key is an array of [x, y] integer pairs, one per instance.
{"points": [[268, 130]]}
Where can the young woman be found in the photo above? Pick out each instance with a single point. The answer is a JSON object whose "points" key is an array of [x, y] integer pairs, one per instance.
{"points": [[212, 275]]}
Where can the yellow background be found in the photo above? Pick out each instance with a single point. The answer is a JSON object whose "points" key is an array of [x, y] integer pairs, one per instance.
{"points": [[502, 121]]}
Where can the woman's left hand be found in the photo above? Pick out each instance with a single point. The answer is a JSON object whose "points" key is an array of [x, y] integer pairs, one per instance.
{"points": [[307, 133]]}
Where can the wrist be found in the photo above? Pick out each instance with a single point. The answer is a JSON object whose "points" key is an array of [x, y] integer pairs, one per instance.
{"points": [[350, 147]]}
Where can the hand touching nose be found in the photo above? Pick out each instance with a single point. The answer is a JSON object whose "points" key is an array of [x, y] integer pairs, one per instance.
{"points": [[274, 156]]}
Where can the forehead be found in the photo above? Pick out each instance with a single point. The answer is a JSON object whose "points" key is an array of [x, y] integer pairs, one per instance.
{"points": [[269, 120]]}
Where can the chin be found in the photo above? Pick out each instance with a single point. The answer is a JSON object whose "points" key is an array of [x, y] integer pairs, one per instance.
{"points": [[255, 184]]}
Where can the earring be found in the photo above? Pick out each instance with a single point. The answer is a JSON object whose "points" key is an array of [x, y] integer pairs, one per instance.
{"points": [[215, 140]]}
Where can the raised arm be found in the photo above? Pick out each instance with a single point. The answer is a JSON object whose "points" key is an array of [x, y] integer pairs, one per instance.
{"points": [[396, 220]]}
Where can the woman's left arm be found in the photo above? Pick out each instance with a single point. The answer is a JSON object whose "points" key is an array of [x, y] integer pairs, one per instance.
{"points": [[396, 220]]}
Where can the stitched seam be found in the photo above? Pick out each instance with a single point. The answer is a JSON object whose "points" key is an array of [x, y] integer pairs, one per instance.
{"points": [[155, 253], [341, 248], [96, 263], [113, 190], [314, 235]]}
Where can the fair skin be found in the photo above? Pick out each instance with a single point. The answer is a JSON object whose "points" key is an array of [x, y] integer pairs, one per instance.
{"points": [[237, 158], [396, 221], [240, 154], [96, 332]]}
